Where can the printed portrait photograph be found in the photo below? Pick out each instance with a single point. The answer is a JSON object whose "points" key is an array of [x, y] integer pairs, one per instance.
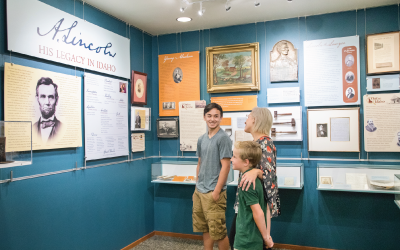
{"points": [[122, 87], [376, 83], [326, 180], [398, 138], [349, 77], [139, 88], [177, 75], [349, 60], [168, 105], [370, 126], [140, 119], [350, 92], [322, 130]]}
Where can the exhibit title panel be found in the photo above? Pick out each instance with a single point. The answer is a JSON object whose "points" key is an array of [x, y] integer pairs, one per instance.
{"points": [[39, 30]]}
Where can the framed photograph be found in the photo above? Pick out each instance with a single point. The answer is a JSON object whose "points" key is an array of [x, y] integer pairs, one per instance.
{"points": [[383, 53], [168, 128], [233, 68], [334, 130], [140, 118], [138, 88]]}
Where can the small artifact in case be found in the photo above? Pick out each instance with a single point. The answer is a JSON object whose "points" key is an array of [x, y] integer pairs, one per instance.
{"points": [[3, 159]]}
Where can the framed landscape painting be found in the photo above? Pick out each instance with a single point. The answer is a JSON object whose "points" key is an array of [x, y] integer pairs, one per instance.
{"points": [[233, 68]]}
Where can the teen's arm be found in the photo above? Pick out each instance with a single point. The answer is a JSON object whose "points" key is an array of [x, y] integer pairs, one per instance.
{"points": [[259, 218], [198, 169], [223, 176]]}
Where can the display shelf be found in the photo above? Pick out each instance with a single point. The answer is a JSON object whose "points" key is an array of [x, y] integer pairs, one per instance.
{"points": [[15, 143], [358, 178], [290, 176], [179, 169], [397, 188]]}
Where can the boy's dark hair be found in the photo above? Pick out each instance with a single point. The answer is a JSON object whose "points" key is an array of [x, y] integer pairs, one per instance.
{"points": [[211, 106]]}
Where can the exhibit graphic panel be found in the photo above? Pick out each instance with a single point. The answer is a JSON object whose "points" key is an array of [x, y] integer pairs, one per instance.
{"points": [[191, 124], [287, 123], [106, 117], [51, 101], [383, 83], [382, 122], [333, 130], [57, 36], [283, 95], [332, 72], [140, 118], [179, 80], [138, 142]]}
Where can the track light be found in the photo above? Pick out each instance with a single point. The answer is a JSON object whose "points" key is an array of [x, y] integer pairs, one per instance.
{"points": [[289, 1], [183, 6], [227, 6], [257, 3], [201, 11]]}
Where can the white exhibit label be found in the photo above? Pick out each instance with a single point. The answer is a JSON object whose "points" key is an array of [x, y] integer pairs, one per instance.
{"points": [[191, 124], [40, 30], [332, 72], [106, 117], [283, 95], [383, 82]]}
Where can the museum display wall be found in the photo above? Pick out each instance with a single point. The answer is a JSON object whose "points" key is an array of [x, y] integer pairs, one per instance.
{"points": [[338, 220], [106, 207]]}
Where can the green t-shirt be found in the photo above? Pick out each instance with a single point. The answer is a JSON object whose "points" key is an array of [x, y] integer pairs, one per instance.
{"points": [[248, 237]]}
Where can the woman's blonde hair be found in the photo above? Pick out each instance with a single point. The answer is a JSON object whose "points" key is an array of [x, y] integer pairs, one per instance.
{"points": [[263, 120]]}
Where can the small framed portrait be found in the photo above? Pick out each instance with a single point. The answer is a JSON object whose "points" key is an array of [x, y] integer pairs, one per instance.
{"points": [[122, 87], [138, 88], [168, 128], [350, 93], [349, 60], [325, 180], [140, 118], [168, 105], [376, 83], [322, 130], [349, 77]]}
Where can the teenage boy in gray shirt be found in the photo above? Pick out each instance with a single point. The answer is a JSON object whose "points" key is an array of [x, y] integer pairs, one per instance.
{"points": [[214, 150]]}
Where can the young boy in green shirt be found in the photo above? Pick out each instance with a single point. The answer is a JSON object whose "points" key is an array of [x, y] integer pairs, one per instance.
{"points": [[251, 230]]}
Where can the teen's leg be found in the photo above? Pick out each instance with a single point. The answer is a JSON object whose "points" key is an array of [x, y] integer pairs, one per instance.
{"points": [[223, 244], [232, 232], [208, 242]]}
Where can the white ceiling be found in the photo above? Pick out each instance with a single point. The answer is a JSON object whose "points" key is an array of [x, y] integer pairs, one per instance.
{"points": [[159, 16]]}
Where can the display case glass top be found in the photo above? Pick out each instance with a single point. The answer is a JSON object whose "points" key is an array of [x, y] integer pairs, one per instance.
{"points": [[358, 178], [15, 143]]}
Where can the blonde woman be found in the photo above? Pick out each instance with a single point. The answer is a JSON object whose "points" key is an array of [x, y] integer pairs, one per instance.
{"points": [[259, 123]]}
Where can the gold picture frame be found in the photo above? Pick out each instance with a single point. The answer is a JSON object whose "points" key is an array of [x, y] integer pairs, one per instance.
{"points": [[233, 68]]}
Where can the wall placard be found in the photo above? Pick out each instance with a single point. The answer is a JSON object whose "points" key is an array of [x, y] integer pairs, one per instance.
{"points": [[236, 103]]}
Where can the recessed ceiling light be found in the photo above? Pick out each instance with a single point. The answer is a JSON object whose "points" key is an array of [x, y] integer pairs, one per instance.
{"points": [[184, 19]]}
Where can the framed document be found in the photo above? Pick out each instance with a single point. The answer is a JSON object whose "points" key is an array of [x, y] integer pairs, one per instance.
{"points": [[168, 128], [383, 53], [233, 68], [140, 118], [334, 130], [139, 88]]}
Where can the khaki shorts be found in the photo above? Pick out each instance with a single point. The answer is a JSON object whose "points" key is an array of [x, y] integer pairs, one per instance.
{"points": [[208, 215]]}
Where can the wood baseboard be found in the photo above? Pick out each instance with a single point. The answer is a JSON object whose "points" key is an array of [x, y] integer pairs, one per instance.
{"points": [[199, 237], [144, 238]]}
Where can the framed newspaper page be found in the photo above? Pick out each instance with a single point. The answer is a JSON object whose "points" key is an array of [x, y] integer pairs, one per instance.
{"points": [[334, 130], [383, 53]]}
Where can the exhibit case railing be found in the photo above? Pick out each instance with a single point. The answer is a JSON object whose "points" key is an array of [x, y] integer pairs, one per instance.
{"points": [[15, 143], [397, 188], [177, 172], [290, 176], [358, 178]]}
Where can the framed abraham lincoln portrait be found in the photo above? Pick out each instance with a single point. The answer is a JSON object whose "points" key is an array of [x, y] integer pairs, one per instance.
{"points": [[233, 68], [283, 63], [138, 88]]}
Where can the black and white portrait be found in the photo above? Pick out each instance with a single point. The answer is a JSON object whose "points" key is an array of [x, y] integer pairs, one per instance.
{"points": [[322, 130], [177, 75], [138, 120], [168, 105], [167, 128], [370, 126], [350, 92], [376, 83], [48, 126], [349, 60], [398, 138], [349, 77]]}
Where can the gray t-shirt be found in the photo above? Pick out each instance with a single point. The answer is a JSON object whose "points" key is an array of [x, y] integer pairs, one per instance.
{"points": [[212, 151]]}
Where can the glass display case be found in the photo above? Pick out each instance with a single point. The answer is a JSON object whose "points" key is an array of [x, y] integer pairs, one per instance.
{"points": [[290, 176], [15, 144], [397, 188], [177, 172], [358, 178]]}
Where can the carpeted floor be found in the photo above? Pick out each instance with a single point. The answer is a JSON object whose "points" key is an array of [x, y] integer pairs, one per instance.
{"points": [[171, 243]]}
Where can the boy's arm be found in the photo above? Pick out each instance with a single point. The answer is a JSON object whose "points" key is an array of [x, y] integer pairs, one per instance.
{"points": [[259, 218], [223, 176]]}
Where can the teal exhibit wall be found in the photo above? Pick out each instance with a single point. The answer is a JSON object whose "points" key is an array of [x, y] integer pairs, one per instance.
{"points": [[337, 220], [106, 207]]}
